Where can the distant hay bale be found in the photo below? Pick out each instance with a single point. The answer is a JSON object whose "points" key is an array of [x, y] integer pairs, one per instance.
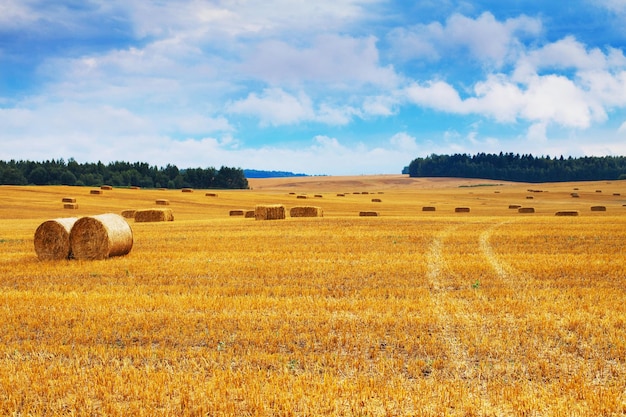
{"points": [[365, 192], [306, 211], [70, 206], [301, 196], [162, 202], [210, 195], [95, 192], [187, 190], [236, 212], [292, 193], [526, 210], [318, 196], [52, 239], [249, 214], [100, 237], [598, 208], [462, 210], [341, 195], [514, 206], [154, 215], [128, 214], [106, 187], [529, 197], [567, 213], [368, 213], [429, 208], [269, 212], [575, 195], [598, 191], [356, 192], [134, 187], [616, 194], [68, 200], [576, 189], [376, 200]]}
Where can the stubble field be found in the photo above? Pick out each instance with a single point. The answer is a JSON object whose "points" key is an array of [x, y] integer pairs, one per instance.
{"points": [[409, 313]]}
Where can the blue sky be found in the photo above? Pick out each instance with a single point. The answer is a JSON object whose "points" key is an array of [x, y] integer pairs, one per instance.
{"points": [[336, 87]]}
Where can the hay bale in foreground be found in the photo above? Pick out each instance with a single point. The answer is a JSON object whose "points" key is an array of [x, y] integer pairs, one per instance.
{"points": [[526, 210], [128, 214], [52, 239], [269, 212], [306, 211], [100, 237], [68, 200], [567, 213], [429, 208], [598, 208], [462, 210], [154, 215], [368, 213], [162, 202], [70, 206]]}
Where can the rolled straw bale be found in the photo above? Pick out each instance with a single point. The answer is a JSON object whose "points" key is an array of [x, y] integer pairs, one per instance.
{"points": [[162, 202], [376, 200], [514, 206], [429, 208], [101, 236], [368, 213], [269, 212], [70, 206], [52, 239], [95, 192], [237, 212], [598, 208], [68, 200], [211, 195], [249, 214], [526, 210], [567, 213], [306, 211], [154, 215], [128, 214], [187, 190], [462, 210]]}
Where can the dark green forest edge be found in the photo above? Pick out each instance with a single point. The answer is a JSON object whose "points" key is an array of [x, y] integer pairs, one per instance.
{"points": [[118, 174], [522, 168]]}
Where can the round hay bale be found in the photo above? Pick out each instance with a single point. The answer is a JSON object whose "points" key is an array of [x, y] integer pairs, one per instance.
{"points": [[70, 206], [128, 214], [567, 213], [429, 208], [306, 211], [95, 192], [237, 212], [100, 237], [162, 202], [462, 210], [598, 208], [249, 214], [514, 206], [52, 239], [526, 210], [368, 213], [269, 212], [68, 200]]}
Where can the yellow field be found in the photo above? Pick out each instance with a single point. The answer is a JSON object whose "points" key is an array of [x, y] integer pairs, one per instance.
{"points": [[411, 313]]}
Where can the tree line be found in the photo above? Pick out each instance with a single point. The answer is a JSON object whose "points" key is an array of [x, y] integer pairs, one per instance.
{"points": [[516, 167], [118, 174]]}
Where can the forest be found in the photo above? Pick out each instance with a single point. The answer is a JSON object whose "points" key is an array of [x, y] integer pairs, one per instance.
{"points": [[516, 167], [118, 174]]}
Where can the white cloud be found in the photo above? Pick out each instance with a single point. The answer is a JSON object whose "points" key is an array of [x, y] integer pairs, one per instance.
{"points": [[275, 107]]}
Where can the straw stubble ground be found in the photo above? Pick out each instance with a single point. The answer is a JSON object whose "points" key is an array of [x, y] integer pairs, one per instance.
{"points": [[409, 313]]}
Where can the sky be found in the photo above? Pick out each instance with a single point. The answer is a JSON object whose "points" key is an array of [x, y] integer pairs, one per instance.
{"points": [[324, 87]]}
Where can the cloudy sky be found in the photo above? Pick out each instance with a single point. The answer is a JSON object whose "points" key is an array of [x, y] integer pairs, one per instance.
{"points": [[335, 87]]}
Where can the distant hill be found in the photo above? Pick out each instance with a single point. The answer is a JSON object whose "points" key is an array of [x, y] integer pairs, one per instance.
{"points": [[255, 173]]}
